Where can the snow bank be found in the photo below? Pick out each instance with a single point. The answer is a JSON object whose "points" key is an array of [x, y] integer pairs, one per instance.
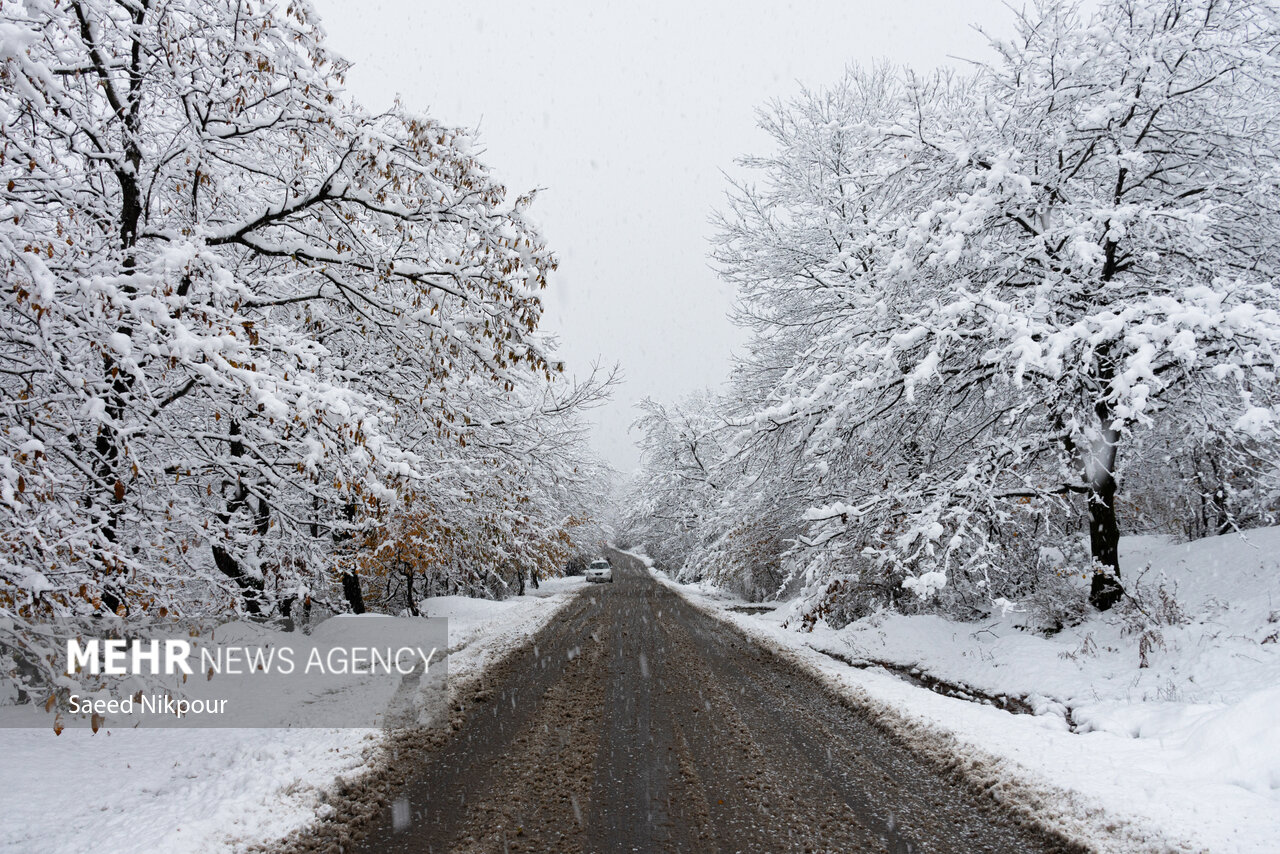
{"points": [[482, 630], [637, 554], [1184, 752], [206, 790], [1239, 745], [219, 790]]}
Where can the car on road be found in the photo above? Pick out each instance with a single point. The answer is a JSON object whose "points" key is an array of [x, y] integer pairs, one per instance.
{"points": [[600, 570]]}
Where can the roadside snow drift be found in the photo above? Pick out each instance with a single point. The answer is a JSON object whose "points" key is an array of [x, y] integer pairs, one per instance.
{"points": [[218, 790], [1164, 732]]}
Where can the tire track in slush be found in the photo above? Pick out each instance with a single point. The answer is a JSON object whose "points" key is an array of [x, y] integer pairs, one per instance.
{"points": [[640, 724]]}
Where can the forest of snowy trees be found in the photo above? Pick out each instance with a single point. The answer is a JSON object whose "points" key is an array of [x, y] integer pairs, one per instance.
{"points": [[260, 349], [997, 318]]}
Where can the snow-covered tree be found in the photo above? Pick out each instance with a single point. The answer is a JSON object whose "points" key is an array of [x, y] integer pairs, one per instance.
{"points": [[975, 300], [1111, 249], [671, 495], [516, 496], [242, 316]]}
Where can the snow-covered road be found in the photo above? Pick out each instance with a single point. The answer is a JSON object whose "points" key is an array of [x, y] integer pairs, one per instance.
{"points": [[636, 722]]}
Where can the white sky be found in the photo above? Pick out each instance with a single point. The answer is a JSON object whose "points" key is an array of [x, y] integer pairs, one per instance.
{"points": [[627, 116]]}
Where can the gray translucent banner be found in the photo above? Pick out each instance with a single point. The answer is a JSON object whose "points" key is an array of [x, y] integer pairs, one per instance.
{"points": [[350, 671]]}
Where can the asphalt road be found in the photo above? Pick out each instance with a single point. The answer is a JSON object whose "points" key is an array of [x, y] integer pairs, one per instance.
{"points": [[637, 723]]}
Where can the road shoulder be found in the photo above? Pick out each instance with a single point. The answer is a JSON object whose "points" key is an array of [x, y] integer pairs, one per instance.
{"points": [[221, 790], [993, 751]]}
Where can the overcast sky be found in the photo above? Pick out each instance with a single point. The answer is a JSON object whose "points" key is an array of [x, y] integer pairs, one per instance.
{"points": [[627, 116]]}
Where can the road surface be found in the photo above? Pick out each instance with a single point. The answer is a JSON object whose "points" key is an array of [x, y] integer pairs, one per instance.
{"points": [[638, 723]]}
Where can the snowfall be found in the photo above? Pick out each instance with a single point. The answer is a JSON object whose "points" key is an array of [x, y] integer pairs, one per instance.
{"points": [[1182, 754], [219, 790]]}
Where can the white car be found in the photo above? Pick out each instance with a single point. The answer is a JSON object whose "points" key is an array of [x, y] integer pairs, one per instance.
{"points": [[600, 570]]}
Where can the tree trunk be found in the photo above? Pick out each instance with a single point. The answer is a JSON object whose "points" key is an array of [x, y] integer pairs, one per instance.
{"points": [[1100, 467], [1104, 529], [350, 581], [126, 105], [250, 588], [289, 624], [1104, 541], [409, 594], [351, 590]]}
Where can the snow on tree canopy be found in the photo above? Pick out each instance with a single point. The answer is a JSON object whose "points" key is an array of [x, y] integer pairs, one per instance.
{"points": [[250, 327], [1022, 307]]}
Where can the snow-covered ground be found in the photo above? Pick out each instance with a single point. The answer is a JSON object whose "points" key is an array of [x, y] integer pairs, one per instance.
{"points": [[217, 790], [1183, 753]]}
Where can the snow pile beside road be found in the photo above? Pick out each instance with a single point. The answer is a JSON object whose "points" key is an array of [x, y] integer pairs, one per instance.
{"points": [[1188, 743], [218, 790], [639, 555], [203, 790], [1239, 744], [483, 630]]}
